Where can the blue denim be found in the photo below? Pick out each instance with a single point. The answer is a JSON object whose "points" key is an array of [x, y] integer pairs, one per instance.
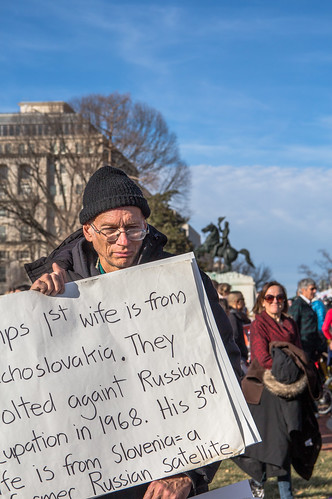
{"points": [[285, 487]]}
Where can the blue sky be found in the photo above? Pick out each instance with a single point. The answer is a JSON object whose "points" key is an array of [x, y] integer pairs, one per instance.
{"points": [[245, 85]]}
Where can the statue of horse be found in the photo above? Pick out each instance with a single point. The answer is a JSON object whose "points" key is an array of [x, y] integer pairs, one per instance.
{"points": [[223, 249], [210, 242]]}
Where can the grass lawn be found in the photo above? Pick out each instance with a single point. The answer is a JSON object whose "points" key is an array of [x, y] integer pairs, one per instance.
{"points": [[318, 487]]}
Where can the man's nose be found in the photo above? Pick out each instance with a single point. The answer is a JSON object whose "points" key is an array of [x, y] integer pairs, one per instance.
{"points": [[123, 238]]}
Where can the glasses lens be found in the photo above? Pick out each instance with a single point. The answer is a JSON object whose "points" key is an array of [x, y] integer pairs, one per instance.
{"points": [[270, 298], [112, 235], [136, 234]]}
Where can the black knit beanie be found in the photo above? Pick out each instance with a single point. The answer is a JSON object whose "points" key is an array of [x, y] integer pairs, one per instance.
{"points": [[110, 188]]}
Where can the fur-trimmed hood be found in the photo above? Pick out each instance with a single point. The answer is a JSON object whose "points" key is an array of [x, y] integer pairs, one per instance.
{"points": [[257, 377], [288, 391]]}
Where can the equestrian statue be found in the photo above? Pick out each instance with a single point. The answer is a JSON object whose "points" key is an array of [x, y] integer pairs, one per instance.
{"points": [[221, 248]]}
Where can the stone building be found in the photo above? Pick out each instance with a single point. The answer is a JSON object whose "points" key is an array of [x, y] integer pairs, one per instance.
{"points": [[47, 154]]}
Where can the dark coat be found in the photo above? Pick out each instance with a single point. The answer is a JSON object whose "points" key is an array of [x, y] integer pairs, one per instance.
{"points": [[284, 415], [307, 323], [77, 256], [237, 322]]}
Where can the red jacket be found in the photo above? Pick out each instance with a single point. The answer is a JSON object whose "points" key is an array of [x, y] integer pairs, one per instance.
{"points": [[264, 329], [326, 325]]}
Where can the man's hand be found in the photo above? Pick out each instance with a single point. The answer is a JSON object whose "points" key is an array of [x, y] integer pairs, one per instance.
{"points": [[51, 284], [175, 487]]}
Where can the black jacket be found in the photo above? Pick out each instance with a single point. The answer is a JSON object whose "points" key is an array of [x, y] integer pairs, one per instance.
{"points": [[307, 323], [77, 256], [237, 321]]}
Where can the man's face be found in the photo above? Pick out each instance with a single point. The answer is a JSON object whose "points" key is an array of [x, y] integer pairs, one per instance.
{"points": [[123, 252], [309, 292]]}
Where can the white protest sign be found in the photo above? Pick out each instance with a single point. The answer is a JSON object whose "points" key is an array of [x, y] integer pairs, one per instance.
{"points": [[239, 490], [122, 380]]}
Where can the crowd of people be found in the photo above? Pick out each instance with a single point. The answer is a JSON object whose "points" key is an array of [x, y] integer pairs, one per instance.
{"points": [[273, 351], [281, 352]]}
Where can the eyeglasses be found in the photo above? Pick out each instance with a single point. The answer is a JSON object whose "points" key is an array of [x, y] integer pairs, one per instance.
{"points": [[270, 298], [112, 235]]}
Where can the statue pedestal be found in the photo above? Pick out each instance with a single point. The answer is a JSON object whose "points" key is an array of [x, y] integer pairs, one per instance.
{"points": [[238, 282]]}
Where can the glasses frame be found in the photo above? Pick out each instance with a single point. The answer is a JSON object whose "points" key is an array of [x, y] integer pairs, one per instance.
{"points": [[280, 298], [118, 232]]}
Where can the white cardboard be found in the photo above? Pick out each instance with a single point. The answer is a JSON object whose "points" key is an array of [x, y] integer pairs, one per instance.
{"points": [[121, 380]]}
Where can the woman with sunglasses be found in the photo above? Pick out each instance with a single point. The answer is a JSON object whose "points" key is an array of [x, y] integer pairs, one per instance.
{"points": [[276, 410], [271, 323]]}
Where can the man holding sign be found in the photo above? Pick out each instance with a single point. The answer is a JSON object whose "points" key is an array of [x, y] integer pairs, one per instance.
{"points": [[114, 236]]}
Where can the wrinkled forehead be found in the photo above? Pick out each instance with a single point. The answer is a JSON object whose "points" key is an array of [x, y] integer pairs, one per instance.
{"points": [[118, 217]]}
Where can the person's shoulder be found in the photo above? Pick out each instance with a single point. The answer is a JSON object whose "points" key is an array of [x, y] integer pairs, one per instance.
{"points": [[297, 303], [288, 319], [258, 320], [318, 305]]}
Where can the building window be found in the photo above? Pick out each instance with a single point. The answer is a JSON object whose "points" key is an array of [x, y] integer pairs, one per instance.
{"points": [[25, 233], [79, 148], [2, 233], [21, 148], [3, 211], [8, 148], [3, 173], [3, 180], [23, 255], [24, 180], [2, 273], [3, 255]]}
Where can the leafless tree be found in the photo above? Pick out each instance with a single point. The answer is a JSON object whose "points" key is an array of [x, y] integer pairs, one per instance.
{"points": [[43, 176], [261, 273], [141, 134], [53, 155], [323, 275]]}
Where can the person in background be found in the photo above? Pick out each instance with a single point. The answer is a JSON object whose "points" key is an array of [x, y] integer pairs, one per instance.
{"points": [[114, 236], [320, 310], [224, 289], [306, 319], [238, 318], [277, 394], [327, 331], [224, 304], [215, 284]]}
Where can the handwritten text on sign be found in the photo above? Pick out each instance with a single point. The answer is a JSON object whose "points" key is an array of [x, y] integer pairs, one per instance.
{"points": [[112, 385]]}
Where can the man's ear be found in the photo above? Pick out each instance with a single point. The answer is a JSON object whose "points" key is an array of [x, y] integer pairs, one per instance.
{"points": [[87, 231]]}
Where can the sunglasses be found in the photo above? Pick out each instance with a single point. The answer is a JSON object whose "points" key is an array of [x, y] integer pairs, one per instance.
{"points": [[270, 298]]}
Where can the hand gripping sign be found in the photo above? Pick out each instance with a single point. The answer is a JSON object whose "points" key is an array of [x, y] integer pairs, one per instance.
{"points": [[122, 380]]}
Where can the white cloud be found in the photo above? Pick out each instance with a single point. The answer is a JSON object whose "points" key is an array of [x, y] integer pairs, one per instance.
{"points": [[282, 215]]}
